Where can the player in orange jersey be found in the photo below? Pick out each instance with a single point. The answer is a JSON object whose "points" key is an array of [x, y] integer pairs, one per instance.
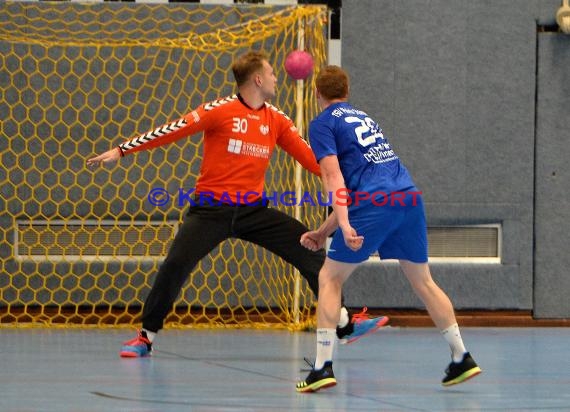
{"points": [[240, 134]]}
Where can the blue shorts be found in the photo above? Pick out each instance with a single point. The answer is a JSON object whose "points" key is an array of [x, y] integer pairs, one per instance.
{"points": [[397, 231]]}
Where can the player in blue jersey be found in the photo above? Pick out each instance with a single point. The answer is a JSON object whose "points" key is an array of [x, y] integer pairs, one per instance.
{"points": [[376, 207]]}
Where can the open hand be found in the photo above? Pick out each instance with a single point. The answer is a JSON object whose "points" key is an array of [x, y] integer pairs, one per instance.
{"points": [[109, 156]]}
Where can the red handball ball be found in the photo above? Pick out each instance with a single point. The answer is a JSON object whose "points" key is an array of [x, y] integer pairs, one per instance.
{"points": [[299, 64]]}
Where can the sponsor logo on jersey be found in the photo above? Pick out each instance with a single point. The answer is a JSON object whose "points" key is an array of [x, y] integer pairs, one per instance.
{"points": [[381, 153], [240, 147], [234, 146]]}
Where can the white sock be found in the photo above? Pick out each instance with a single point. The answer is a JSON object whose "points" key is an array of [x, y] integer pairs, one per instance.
{"points": [[150, 335], [325, 345], [453, 337], [343, 321]]}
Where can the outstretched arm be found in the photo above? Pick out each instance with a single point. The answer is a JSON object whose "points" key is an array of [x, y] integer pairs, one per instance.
{"points": [[160, 136]]}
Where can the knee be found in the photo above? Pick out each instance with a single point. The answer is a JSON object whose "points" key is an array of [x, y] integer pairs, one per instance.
{"points": [[423, 285], [328, 279], [174, 270]]}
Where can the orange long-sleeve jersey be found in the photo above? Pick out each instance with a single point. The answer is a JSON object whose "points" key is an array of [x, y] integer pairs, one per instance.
{"points": [[238, 144]]}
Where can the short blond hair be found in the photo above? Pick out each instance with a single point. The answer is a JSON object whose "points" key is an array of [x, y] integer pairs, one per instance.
{"points": [[247, 64]]}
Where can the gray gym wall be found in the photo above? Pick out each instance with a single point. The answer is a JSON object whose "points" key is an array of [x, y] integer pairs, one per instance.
{"points": [[477, 105]]}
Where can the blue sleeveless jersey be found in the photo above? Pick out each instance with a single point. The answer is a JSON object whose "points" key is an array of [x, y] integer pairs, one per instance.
{"points": [[367, 161]]}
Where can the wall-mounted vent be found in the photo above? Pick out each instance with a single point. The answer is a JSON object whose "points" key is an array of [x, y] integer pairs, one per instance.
{"points": [[92, 240]]}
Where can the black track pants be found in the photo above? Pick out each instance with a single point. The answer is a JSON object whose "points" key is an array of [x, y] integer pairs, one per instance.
{"points": [[204, 227]]}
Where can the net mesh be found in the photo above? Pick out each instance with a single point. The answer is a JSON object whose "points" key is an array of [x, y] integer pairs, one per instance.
{"points": [[81, 247]]}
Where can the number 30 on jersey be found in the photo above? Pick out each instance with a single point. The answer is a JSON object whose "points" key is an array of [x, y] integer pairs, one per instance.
{"points": [[239, 125]]}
